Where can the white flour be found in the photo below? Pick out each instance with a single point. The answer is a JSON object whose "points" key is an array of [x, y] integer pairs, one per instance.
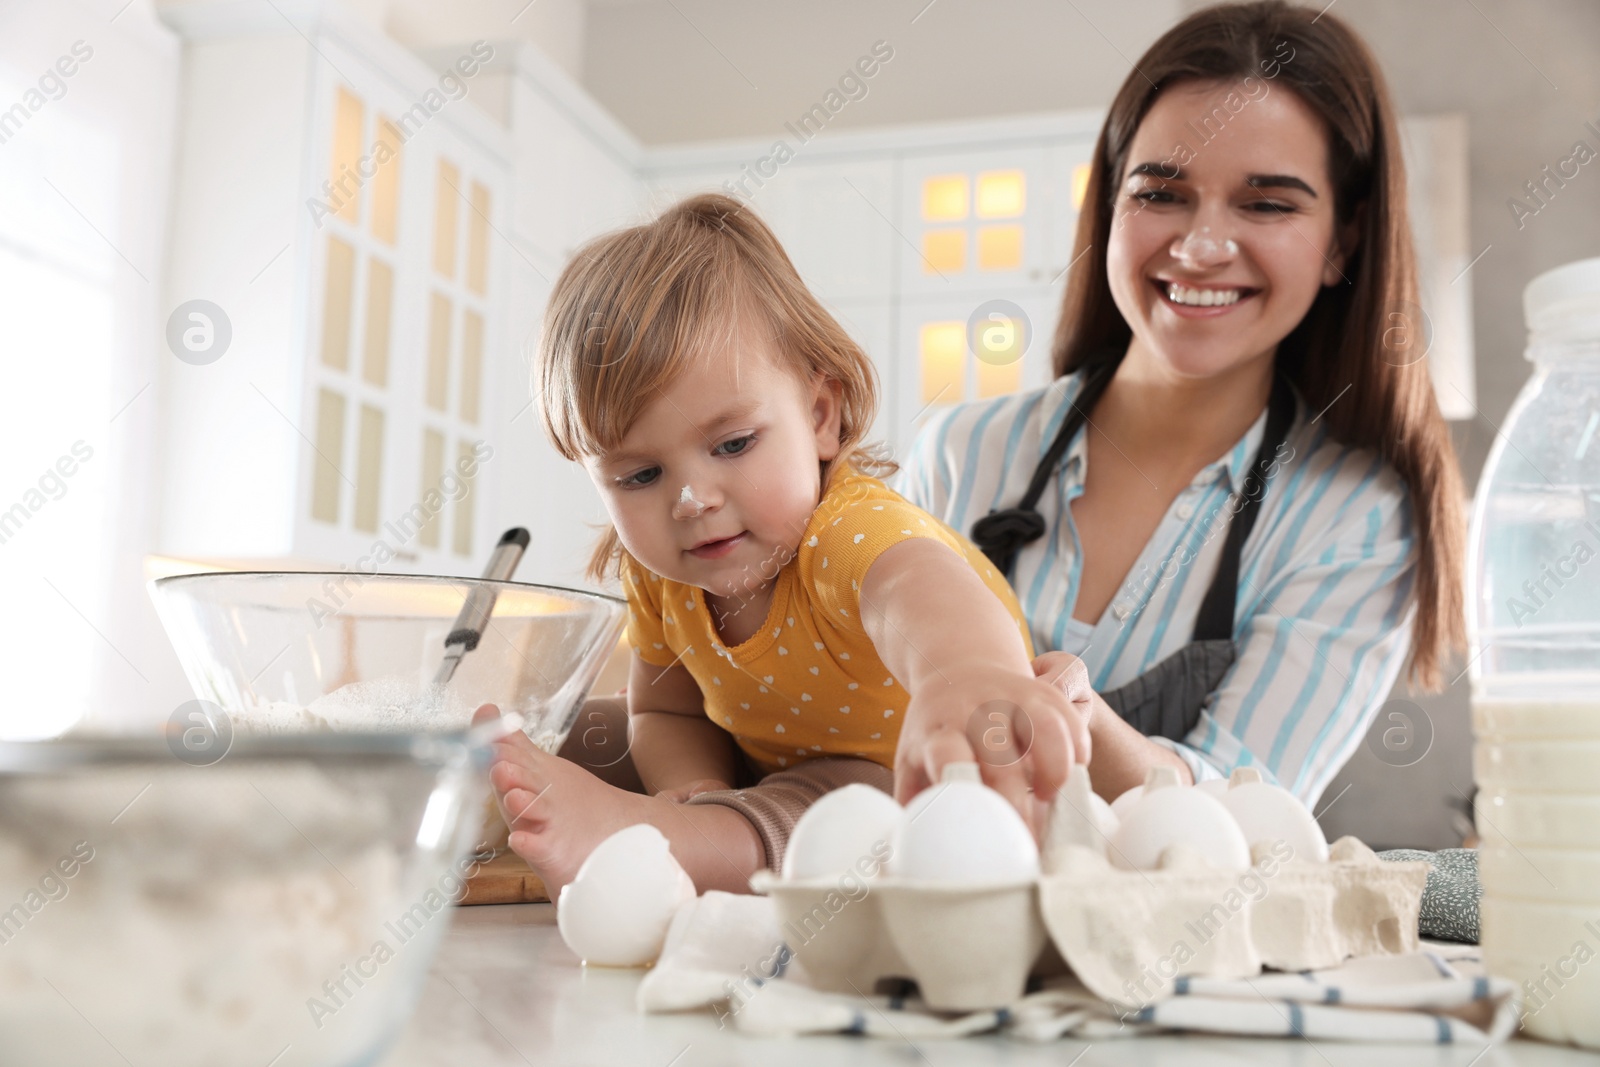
{"points": [[181, 945], [379, 704]]}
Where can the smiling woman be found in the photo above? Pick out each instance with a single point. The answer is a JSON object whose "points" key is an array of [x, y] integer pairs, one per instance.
{"points": [[1244, 234]]}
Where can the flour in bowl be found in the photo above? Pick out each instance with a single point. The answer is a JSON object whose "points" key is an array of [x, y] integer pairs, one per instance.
{"points": [[230, 915]]}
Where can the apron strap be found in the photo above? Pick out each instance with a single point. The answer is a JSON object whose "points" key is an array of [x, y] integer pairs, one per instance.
{"points": [[1002, 534], [1215, 619]]}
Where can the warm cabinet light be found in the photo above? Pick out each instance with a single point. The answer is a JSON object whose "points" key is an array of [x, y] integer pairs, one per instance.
{"points": [[330, 456], [999, 247], [369, 468], [1001, 194], [478, 241], [380, 301], [445, 198], [944, 251], [944, 198], [999, 379], [338, 294], [943, 349], [1080, 185], [348, 115], [386, 186]]}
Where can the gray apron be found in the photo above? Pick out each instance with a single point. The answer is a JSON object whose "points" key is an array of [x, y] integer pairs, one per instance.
{"points": [[1166, 700]]}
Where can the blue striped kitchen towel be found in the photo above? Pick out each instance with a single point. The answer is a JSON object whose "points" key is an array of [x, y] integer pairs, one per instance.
{"points": [[727, 951]]}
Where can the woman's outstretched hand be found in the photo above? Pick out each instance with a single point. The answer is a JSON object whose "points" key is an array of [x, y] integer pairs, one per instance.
{"points": [[1069, 674]]}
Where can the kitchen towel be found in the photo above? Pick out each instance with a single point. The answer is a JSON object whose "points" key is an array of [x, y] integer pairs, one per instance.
{"points": [[728, 952], [1450, 900]]}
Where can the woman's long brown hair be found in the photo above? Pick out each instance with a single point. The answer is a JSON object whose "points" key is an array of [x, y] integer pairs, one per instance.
{"points": [[1358, 342]]}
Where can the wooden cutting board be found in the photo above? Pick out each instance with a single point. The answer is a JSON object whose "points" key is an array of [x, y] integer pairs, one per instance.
{"points": [[506, 879]]}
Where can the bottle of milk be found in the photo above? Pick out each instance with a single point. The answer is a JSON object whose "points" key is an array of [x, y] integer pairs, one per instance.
{"points": [[1534, 610]]}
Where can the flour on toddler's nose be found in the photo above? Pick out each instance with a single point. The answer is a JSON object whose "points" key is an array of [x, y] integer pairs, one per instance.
{"points": [[689, 504]]}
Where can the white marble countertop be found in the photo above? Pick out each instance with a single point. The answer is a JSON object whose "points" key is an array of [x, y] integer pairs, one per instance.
{"points": [[505, 992]]}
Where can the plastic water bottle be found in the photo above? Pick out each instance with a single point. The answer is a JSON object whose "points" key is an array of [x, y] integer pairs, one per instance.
{"points": [[1534, 609]]}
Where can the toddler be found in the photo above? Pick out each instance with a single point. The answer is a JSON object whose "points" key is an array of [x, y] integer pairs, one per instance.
{"points": [[795, 624]]}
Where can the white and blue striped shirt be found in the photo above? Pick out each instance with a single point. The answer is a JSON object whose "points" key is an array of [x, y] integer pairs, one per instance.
{"points": [[1324, 612]]}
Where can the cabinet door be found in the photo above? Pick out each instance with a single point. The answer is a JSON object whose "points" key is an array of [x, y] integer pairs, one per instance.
{"points": [[403, 324], [834, 221], [956, 348], [971, 220], [570, 186], [833, 218]]}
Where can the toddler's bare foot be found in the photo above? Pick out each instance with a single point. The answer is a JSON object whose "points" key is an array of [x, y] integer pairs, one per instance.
{"points": [[558, 812]]}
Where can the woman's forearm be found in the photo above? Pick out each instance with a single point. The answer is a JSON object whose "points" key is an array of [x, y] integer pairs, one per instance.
{"points": [[1122, 755], [670, 750]]}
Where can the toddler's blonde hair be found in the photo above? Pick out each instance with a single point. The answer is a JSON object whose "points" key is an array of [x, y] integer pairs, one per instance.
{"points": [[634, 307]]}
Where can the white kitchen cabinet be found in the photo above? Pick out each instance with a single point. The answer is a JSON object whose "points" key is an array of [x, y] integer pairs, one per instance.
{"points": [[949, 352], [576, 167], [342, 211], [975, 219], [988, 231], [833, 216]]}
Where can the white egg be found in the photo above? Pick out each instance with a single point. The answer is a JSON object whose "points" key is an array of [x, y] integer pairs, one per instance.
{"points": [[1215, 787], [962, 831], [1178, 815], [1125, 801], [617, 910], [849, 829], [1269, 813]]}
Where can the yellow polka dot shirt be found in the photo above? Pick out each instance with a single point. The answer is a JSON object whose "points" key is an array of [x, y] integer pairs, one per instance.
{"points": [[809, 683]]}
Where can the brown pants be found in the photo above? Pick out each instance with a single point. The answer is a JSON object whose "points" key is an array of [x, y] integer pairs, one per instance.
{"points": [[772, 803]]}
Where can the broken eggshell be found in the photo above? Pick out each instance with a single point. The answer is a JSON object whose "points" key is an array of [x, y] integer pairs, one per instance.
{"points": [[616, 911]]}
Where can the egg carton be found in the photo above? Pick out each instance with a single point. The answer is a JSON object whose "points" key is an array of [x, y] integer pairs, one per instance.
{"points": [[968, 947], [1127, 934]]}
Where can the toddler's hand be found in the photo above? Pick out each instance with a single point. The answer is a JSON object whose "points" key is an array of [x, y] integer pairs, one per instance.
{"points": [[1023, 732], [679, 794]]}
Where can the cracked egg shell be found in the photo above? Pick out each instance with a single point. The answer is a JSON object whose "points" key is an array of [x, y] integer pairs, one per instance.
{"points": [[616, 911]]}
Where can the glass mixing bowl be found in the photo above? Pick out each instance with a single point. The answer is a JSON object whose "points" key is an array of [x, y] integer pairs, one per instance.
{"points": [[281, 905], [289, 652]]}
